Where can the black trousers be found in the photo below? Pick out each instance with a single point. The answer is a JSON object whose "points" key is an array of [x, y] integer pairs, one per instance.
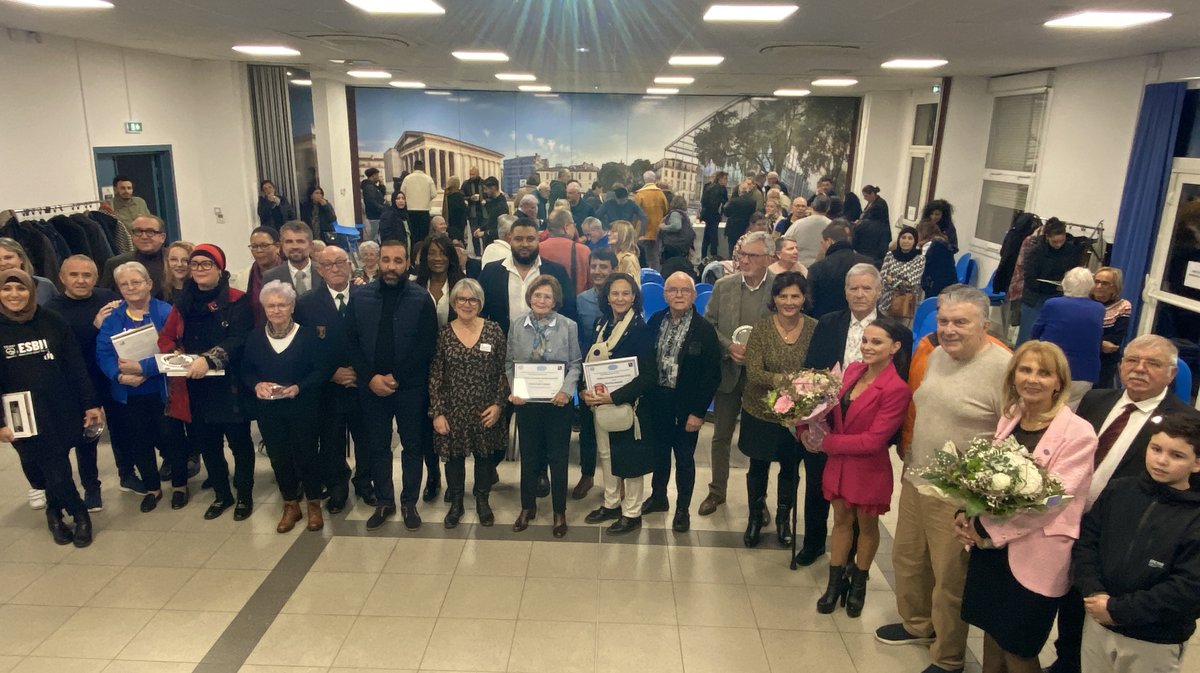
{"points": [[587, 441], [785, 488], [1071, 617], [670, 436], [85, 457], [139, 426], [456, 476], [292, 446], [408, 408], [816, 507], [181, 436], [433, 462], [545, 432], [341, 411], [54, 466], [418, 225], [210, 437], [711, 242]]}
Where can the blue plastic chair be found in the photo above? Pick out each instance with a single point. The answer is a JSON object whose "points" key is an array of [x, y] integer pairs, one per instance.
{"points": [[703, 287], [347, 237], [651, 276], [927, 326], [702, 301], [653, 300], [1183, 381], [962, 269], [996, 298], [926, 307]]}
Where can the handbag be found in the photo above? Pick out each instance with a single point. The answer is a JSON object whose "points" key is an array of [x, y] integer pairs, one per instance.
{"points": [[903, 305], [614, 417]]}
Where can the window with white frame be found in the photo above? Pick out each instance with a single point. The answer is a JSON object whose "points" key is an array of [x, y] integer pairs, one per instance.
{"points": [[1014, 148], [920, 154]]}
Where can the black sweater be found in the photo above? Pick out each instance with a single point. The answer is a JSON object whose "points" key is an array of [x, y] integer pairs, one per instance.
{"points": [[80, 314], [304, 363], [1140, 544], [1045, 263]]}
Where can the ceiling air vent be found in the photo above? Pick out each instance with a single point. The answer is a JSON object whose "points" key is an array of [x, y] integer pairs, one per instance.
{"points": [[809, 49], [352, 42]]}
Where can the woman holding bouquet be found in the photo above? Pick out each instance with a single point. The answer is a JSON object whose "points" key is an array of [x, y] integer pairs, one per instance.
{"points": [[774, 355], [1019, 565], [858, 474]]}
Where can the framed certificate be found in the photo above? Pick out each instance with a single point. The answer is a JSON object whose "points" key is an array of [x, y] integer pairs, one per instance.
{"points": [[18, 414], [538, 381], [606, 376]]}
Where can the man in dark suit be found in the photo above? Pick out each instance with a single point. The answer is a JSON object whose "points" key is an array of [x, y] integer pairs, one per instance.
{"points": [[149, 237], [1124, 420], [827, 277], [392, 333], [325, 309], [295, 237], [508, 278]]}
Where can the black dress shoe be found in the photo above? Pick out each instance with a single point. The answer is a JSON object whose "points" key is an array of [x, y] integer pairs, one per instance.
{"points": [[382, 514], [179, 499], [335, 506], [602, 514], [806, 556], [367, 495], [82, 536], [432, 489], [217, 509], [242, 510], [487, 518], [560, 525], [682, 522], [543, 486], [150, 501], [412, 520], [625, 525], [655, 504], [61, 532]]}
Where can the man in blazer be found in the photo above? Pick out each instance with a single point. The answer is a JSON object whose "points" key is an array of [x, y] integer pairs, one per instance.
{"points": [[325, 309], [688, 354], [507, 280], [738, 299], [296, 240], [826, 275], [1147, 370]]}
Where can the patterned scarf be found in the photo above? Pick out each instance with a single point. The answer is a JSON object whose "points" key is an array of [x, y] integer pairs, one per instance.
{"points": [[541, 334]]}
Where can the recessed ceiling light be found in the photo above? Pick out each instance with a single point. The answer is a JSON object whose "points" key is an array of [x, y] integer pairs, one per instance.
{"points": [[674, 80], [68, 4], [696, 59], [301, 82], [660, 90], [370, 74], [792, 92], [399, 84], [265, 50], [914, 63], [498, 56], [437, 93], [749, 13], [398, 6], [515, 77], [533, 87], [1094, 19], [545, 95], [835, 81], [337, 60], [582, 50]]}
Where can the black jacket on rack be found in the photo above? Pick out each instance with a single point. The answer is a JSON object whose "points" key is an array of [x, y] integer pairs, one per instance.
{"points": [[1022, 226], [97, 241], [37, 246], [73, 233]]}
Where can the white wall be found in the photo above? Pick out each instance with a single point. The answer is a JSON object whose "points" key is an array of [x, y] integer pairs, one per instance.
{"points": [[883, 139], [64, 97], [332, 123], [964, 149]]}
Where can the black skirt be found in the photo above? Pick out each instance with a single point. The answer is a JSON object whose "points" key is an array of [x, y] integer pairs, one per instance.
{"points": [[1017, 618], [766, 440]]}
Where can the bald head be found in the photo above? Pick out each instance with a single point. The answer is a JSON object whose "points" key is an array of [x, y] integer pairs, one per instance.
{"points": [[680, 292], [333, 265]]}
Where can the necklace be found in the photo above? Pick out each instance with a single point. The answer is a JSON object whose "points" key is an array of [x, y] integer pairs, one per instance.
{"points": [[786, 333], [280, 335]]}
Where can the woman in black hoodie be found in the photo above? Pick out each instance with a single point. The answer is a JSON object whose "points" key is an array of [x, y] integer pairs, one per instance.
{"points": [[1045, 265], [39, 355]]}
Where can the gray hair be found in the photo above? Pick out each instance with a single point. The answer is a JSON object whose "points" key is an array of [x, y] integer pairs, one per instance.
{"points": [[820, 204], [504, 223], [558, 219], [368, 245], [649, 177], [864, 269], [470, 285], [589, 222], [527, 197], [1078, 282], [1155, 342], [135, 267], [280, 288], [763, 237], [682, 274], [965, 294]]}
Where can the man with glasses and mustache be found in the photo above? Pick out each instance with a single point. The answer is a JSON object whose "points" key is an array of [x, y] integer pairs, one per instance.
{"points": [[1124, 421], [149, 238]]}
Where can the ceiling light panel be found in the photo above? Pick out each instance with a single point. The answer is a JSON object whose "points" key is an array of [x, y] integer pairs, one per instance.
{"points": [[792, 92], [835, 81], [437, 93], [265, 50], [417, 7], [661, 91], [696, 59], [400, 84], [914, 63], [750, 13], [67, 4], [534, 87], [1092, 19], [674, 80], [515, 77], [370, 74], [301, 82], [495, 56]]}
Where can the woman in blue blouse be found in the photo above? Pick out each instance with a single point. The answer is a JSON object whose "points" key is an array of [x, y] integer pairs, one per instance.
{"points": [[1075, 323], [138, 389]]}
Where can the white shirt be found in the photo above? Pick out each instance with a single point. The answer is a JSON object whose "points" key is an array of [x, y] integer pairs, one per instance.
{"points": [[308, 275], [443, 305], [496, 251], [517, 287], [419, 190], [854, 335], [345, 292], [280, 345], [1137, 420]]}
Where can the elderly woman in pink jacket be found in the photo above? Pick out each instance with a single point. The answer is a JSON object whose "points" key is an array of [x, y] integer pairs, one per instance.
{"points": [[1019, 567]]}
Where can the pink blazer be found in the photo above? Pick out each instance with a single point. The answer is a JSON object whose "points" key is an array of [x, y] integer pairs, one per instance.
{"points": [[1039, 545], [859, 467]]}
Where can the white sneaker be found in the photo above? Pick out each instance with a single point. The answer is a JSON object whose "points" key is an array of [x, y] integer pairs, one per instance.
{"points": [[37, 498]]}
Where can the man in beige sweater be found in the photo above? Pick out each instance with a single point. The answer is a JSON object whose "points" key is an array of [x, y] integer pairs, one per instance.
{"points": [[958, 399]]}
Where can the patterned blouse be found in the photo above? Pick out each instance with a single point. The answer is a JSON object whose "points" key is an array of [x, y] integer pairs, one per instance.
{"points": [[897, 274], [670, 341], [771, 362]]}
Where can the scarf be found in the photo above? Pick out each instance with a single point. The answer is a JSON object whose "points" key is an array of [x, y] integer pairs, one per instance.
{"points": [[541, 335], [900, 255], [195, 303], [25, 314]]}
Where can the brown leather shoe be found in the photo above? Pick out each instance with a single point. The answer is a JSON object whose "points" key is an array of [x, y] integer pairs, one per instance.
{"points": [[581, 489], [291, 515], [523, 519], [710, 504], [560, 525], [315, 520]]}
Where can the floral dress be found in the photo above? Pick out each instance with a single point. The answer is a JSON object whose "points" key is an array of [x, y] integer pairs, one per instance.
{"points": [[462, 383], [897, 274]]}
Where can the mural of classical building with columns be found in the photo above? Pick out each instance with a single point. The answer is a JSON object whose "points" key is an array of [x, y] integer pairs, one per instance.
{"points": [[443, 157]]}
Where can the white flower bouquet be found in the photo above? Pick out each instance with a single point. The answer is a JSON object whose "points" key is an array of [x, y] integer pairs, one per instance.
{"points": [[1000, 479]]}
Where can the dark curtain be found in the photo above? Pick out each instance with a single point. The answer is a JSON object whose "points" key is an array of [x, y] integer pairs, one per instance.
{"points": [[274, 154], [1146, 182]]}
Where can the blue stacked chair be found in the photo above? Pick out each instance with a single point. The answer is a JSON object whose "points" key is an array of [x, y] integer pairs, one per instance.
{"points": [[651, 276], [653, 300], [702, 301]]}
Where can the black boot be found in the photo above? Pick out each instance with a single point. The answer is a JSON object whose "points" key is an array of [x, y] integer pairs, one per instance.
{"points": [[835, 591], [60, 531], [484, 509], [783, 525], [754, 527], [83, 529], [456, 511], [857, 596]]}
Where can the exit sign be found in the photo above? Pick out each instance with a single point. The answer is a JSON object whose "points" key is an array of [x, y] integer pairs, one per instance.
{"points": [[133, 127]]}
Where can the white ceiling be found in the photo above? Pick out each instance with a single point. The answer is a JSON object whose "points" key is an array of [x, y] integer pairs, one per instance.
{"points": [[629, 41]]}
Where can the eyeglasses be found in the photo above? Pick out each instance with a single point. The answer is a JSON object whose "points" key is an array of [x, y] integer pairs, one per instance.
{"points": [[339, 263], [1131, 361], [145, 233], [260, 246], [468, 301], [678, 290], [130, 284], [202, 265]]}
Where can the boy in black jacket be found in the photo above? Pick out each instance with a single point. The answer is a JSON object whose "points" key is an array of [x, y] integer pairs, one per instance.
{"points": [[1137, 560]]}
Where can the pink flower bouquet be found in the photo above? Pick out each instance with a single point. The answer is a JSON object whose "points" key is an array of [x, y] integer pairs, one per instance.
{"points": [[809, 395]]}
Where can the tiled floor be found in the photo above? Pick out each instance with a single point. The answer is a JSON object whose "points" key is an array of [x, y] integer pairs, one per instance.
{"points": [[168, 592]]}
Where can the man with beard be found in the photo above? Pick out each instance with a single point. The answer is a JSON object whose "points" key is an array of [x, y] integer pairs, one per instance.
{"points": [[504, 282], [392, 333], [296, 239]]}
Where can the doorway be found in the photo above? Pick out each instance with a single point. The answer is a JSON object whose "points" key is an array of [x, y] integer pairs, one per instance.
{"points": [[153, 174]]}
